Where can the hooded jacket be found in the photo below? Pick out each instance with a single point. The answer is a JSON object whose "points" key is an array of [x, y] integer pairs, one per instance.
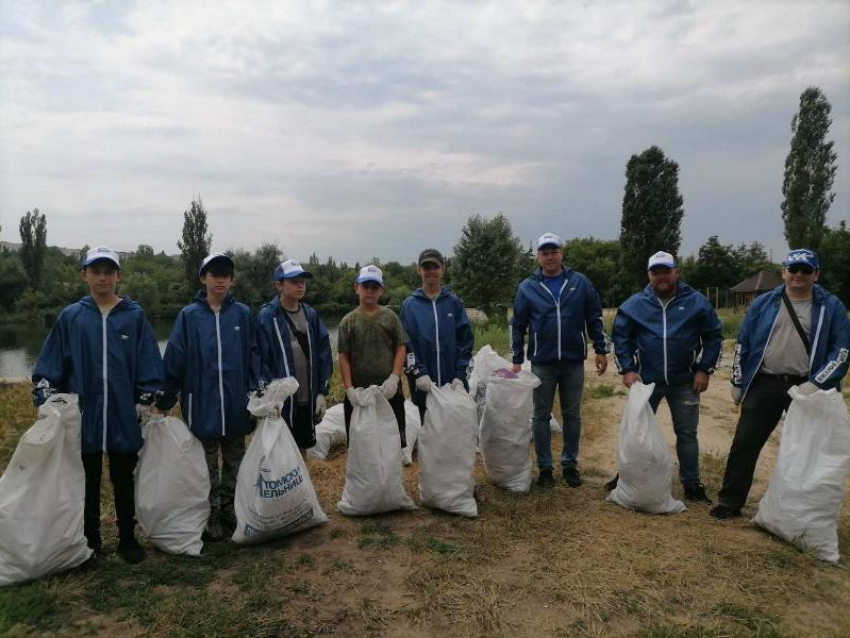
{"points": [[830, 338], [556, 323], [111, 361], [275, 344], [212, 361], [441, 338], [667, 342]]}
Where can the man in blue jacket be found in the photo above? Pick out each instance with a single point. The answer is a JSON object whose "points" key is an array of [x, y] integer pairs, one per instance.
{"points": [[212, 362], [669, 334], [441, 339], [555, 306], [103, 349], [797, 334], [293, 341]]}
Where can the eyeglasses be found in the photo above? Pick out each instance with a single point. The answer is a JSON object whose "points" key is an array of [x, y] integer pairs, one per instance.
{"points": [[800, 268]]}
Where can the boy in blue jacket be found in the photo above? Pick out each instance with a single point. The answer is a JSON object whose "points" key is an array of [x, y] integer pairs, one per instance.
{"points": [[293, 341], [669, 334], [103, 349], [795, 335], [212, 362], [441, 339], [556, 305]]}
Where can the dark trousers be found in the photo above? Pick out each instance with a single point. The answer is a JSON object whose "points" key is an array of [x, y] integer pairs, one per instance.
{"points": [[396, 403], [766, 400], [121, 467]]}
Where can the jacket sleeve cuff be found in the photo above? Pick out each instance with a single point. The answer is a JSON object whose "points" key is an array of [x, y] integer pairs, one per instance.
{"points": [[165, 401]]}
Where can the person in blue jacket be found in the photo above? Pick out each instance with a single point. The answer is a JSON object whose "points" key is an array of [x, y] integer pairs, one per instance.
{"points": [[555, 306], [796, 335], [294, 342], [103, 349], [441, 339], [669, 334], [212, 363]]}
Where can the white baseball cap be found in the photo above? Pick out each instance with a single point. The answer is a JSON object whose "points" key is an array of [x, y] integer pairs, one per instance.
{"points": [[549, 239], [661, 260], [290, 269], [101, 252], [370, 273], [209, 259]]}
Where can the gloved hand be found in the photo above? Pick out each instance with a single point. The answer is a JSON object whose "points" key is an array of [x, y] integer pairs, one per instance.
{"points": [[423, 383], [390, 386], [351, 394], [457, 384], [737, 394], [808, 388], [321, 408]]}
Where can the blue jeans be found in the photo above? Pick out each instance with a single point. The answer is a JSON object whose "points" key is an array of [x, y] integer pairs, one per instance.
{"points": [[568, 376], [684, 408]]}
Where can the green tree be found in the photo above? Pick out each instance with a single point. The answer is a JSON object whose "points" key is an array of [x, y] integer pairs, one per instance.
{"points": [[751, 259], [599, 260], [809, 172], [196, 242], [652, 212], [835, 262], [716, 266], [487, 264], [33, 229]]}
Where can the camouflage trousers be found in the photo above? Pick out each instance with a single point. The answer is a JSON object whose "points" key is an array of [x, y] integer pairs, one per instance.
{"points": [[223, 481]]}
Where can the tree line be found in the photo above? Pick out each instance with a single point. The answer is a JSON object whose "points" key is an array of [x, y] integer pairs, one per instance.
{"points": [[488, 260]]}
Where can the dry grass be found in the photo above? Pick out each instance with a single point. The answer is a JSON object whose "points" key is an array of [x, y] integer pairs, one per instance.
{"points": [[558, 563]]}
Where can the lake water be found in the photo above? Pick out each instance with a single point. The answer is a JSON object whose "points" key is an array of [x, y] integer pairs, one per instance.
{"points": [[20, 345]]}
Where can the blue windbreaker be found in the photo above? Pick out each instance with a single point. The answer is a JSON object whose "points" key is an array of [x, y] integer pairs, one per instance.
{"points": [[112, 362], [667, 343], [556, 325], [441, 338], [275, 343], [213, 362], [830, 340]]}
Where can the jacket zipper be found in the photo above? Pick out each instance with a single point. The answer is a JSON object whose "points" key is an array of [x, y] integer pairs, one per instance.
{"points": [[437, 329], [190, 411], [815, 342], [220, 376], [557, 314], [105, 376], [535, 345]]}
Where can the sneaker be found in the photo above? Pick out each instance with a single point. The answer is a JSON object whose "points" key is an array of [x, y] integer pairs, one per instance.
{"points": [[723, 513], [214, 531], [130, 550], [545, 479], [696, 493], [612, 484], [571, 477]]}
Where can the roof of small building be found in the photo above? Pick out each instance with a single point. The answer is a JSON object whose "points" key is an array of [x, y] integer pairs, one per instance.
{"points": [[760, 282]]}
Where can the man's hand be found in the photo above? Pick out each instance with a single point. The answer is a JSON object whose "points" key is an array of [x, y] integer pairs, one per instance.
{"points": [[700, 382], [515, 368], [390, 386], [808, 388], [736, 394], [155, 411], [423, 383], [601, 364], [457, 384], [630, 378], [321, 407]]}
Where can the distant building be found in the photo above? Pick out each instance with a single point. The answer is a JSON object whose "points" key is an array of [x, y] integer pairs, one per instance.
{"points": [[745, 292]]}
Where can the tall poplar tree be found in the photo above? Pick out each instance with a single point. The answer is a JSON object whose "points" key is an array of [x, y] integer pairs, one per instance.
{"points": [[652, 212], [196, 242], [33, 230], [809, 172]]}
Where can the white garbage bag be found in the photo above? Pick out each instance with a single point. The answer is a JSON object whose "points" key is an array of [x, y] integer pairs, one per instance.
{"points": [[42, 497], [447, 446], [330, 431], [506, 430], [806, 490], [373, 471], [485, 362], [643, 459], [172, 487], [274, 494], [413, 426]]}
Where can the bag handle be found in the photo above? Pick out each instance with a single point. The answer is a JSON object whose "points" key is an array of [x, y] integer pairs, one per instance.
{"points": [[796, 320]]}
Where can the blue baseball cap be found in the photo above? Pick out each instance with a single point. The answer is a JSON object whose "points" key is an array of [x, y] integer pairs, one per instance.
{"points": [[802, 256], [290, 269]]}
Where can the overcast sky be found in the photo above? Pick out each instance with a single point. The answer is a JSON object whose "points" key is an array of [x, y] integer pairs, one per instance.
{"points": [[360, 129]]}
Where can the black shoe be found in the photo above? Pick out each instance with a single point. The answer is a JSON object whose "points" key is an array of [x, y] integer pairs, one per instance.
{"points": [[723, 513], [571, 477], [228, 522], [545, 479], [95, 543], [130, 550], [612, 484], [696, 493], [213, 531]]}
